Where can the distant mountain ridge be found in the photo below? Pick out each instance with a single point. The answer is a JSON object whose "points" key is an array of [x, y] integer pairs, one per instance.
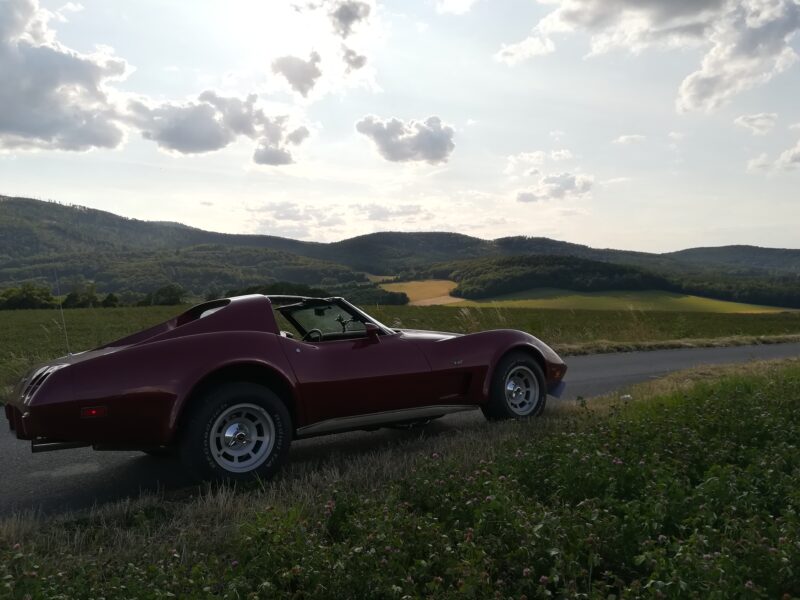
{"points": [[30, 227], [38, 237]]}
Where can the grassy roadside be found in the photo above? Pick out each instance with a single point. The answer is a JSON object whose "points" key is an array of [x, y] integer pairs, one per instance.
{"points": [[688, 489]]}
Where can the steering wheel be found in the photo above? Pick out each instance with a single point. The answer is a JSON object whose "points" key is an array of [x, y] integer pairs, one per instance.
{"points": [[313, 333]]}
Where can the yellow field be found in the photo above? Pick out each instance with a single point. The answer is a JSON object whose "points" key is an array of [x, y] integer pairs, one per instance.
{"points": [[436, 291], [427, 292]]}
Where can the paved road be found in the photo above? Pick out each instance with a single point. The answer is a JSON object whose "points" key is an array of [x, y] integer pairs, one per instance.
{"points": [[75, 479]]}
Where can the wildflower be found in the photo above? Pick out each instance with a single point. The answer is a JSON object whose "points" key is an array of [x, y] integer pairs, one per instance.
{"points": [[544, 580], [526, 572]]}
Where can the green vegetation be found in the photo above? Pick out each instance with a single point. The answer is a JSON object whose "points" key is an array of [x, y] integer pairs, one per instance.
{"points": [[497, 276], [131, 257], [691, 493], [26, 296], [429, 292]]}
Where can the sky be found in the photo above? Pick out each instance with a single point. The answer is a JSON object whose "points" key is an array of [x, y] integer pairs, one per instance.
{"points": [[634, 124]]}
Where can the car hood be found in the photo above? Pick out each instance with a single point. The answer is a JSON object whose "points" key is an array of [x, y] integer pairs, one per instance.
{"points": [[420, 334]]}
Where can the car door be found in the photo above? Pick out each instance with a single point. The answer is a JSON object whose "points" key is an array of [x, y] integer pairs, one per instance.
{"points": [[343, 378]]}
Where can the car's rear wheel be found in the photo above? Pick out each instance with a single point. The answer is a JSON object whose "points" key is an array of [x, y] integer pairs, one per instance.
{"points": [[518, 389], [237, 431]]}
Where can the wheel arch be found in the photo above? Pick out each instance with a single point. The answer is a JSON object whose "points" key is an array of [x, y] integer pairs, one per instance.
{"points": [[250, 372], [523, 348]]}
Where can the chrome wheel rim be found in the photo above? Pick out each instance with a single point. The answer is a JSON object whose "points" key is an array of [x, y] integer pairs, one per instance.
{"points": [[242, 438], [522, 391]]}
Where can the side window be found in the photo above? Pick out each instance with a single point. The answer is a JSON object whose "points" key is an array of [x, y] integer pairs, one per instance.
{"points": [[328, 318]]}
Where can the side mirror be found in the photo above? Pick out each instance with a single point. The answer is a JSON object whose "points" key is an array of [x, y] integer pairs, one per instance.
{"points": [[373, 331]]}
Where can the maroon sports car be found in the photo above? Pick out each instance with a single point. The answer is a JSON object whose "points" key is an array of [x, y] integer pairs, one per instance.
{"points": [[228, 384]]}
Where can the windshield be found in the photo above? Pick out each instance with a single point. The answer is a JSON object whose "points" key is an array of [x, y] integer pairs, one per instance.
{"points": [[334, 318]]}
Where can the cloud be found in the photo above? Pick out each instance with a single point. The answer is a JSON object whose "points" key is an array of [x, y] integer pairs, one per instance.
{"points": [[760, 164], [534, 45], [525, 163], [562, 154], [750, 46], [302, 75], [455, 7], [52, 97], [381, 212], [676, 136], [429, 140], [758, 124], [790, 159], [297, 136], [347, 14], [212, 122], [353, 59], [292, 219], [561, 186], [749, 39], [625, 140], [529, 163]]}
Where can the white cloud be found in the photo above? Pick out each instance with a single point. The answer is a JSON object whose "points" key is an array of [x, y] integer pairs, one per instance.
{"points": [[429, 140], [212, 122], [525, 163], [69, 7], [750, 45], [790, 159], [302, 75], [353, 59], [529, 163], [749, 39], [346, 14], [629, 139], [382, 212], [562, 154], [758, 124], [676, 136], [455, 7], [52, 97], [760, 164], [295, 220], [534, 45], [560, 186]]}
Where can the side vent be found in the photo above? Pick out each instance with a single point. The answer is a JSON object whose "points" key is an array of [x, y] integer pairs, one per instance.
{"points": [[37, 380]]}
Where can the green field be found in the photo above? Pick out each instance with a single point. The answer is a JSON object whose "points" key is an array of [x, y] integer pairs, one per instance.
{"points": [[688, 492], [31, 336], [436, 291]]}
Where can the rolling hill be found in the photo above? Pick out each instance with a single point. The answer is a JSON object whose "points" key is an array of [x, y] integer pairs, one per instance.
{"points": [[39, 238]]}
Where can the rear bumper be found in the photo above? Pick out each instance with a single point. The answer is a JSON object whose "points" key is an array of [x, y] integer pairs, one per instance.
{"points": [[18, 423], [557, 389]]}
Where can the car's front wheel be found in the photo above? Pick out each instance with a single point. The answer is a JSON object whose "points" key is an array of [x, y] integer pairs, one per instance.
{"points": [[518, 389], [237, 431]]}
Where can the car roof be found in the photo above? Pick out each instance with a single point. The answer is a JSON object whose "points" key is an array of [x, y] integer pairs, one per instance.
{"points": [[282, 300]]}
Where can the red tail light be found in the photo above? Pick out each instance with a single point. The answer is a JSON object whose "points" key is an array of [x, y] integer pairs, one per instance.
{"points": [[94, 412]]}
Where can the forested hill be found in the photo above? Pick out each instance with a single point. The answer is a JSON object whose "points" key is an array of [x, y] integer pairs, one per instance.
{"points": [[497, 276], [39, 239]]}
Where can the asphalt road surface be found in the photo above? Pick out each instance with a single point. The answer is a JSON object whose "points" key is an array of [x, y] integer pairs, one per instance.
{"points": [[76, 479]]}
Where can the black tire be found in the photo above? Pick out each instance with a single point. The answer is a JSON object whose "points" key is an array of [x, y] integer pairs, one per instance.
{"points": [[264, 447], [530, 403]]}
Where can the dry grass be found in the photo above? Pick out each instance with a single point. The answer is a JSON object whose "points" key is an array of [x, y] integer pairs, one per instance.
{"points": [[605, 346]]}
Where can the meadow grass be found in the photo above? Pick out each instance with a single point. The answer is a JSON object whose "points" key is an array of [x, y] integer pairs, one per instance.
{"points": [[683, 488], [436, 291]]}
